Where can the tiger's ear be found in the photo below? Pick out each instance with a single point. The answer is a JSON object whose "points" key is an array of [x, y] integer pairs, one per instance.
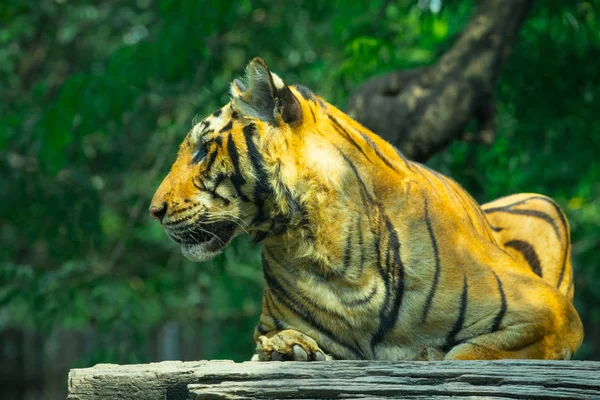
{"points": [[265, 96]]}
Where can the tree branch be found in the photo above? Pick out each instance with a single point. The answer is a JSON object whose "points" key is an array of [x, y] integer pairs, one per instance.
{"points": [[422, 110]]}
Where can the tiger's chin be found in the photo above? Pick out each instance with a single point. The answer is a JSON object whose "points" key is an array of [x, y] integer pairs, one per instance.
{"points": [[199, 252]]}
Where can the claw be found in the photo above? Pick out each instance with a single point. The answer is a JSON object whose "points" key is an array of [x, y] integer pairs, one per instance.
{"points": [[319, 356], [299, 353]]}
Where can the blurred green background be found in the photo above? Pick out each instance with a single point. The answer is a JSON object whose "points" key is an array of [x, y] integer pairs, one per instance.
{"points": [[95, 97]]}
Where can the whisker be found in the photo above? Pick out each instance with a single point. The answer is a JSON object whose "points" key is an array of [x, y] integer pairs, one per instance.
{"points": [[210, 233], [212, 215], [190, 225], [234, 218]]}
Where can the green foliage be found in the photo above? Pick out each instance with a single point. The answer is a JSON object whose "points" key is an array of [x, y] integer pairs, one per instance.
{"points": [[95, 97]]}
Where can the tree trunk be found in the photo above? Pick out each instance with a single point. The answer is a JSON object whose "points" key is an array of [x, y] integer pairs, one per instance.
{"points": [[424, 109]]}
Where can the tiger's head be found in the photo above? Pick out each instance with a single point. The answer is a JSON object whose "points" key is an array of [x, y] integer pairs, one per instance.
{"points": [[230, 170]]}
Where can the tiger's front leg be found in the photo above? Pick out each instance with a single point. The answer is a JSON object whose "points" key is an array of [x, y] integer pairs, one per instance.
{"points": [[287, 345]]}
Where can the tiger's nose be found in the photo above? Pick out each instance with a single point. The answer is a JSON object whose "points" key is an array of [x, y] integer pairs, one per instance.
{"points": [[158, 212]]}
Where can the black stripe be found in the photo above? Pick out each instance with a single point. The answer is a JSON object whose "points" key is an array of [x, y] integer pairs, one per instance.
{"points": [[346, 135], [227, 127], [211, 160], [377, 244], [347, 252], [528, 213], [476, 208], [283, 296], [320, 102], [262, 329], [361, 247], [379, 333], [262, 189], [469, 217], [529, 253], [178, 222], [516, 203], [395, 268], [418, 166], [462, 193], [364, 192], [436, 275], [198, 185], [406, 162], [463, 197], [563, 221], [278, 325], [313, 114], [305, 92], [490, 235], [237, 179], [217, 113], [488, 226], [292, 202], [440, 178], [262, 185], [461, 201], [378, 152], [449, 184], [474, 204], [458, 324], [388, 258], [561, 215], [571, 285], [496, 228], [207, 132], [286, 266], [364, 300], [259, 236], [182, 210], [498, 318], [213, 191]]}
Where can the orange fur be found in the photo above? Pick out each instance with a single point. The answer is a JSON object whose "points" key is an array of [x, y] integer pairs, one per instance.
{"points": [[366, 255]]}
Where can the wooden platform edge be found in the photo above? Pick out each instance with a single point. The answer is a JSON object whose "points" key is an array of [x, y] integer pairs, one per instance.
{"points": [[176, 380]]}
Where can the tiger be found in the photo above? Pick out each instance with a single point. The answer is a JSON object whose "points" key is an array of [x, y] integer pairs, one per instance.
{"points": [[366, 255]]}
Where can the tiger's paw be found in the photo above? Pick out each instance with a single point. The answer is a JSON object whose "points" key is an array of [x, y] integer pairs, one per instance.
{"points": [[289, 345]]}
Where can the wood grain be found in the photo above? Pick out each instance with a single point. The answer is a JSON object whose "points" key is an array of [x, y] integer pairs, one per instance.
{"points": [[175, 380]]}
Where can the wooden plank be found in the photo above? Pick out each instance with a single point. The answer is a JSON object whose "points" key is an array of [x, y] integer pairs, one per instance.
{"points": [[175, 380]]}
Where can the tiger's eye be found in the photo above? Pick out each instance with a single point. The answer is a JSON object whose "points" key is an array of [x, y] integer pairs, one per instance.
{"points": [[200, 153]]}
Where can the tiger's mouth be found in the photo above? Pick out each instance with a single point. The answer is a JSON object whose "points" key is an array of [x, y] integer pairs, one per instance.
{"points": [[201, 242]]}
